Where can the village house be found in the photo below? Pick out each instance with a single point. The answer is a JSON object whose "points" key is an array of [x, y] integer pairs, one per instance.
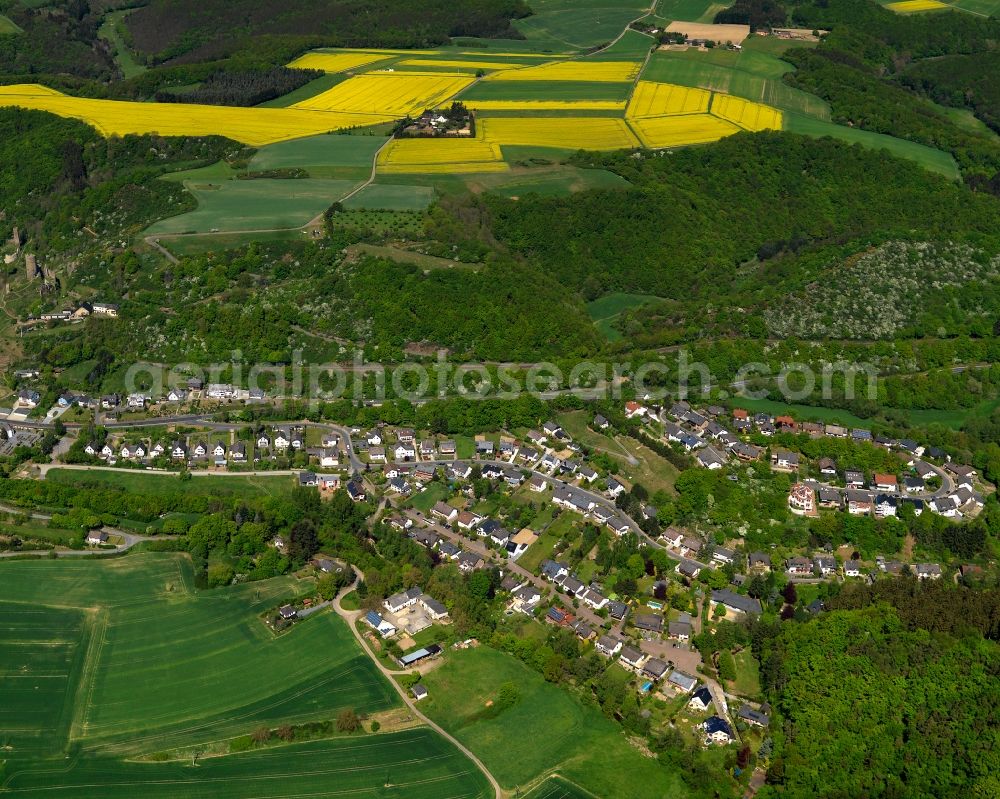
{"points": [[884, 482], [927, 571], [783, 459], [679, 630], [802, 500], [710, 459], [736, 603], [442, 510], [681, 681], [717, 730], [701, 700], [609, 645], [631, 658], [756, 718]]}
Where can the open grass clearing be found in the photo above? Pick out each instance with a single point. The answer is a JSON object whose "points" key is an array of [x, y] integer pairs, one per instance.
{"points": [[111, 30], [424, 501], [747, 682], [580, 743], [7, 26], [606, 309], [954, 419], [929, 158], [558, 788], [139, 482]]}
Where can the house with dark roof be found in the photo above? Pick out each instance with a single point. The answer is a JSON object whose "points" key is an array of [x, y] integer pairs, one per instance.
{"points": [[701, 700], [650, 622], [754, 717], [736, 603], [717, 730]]}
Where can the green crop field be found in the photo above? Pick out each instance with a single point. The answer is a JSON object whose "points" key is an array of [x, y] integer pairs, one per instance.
{"points": [[153, 483], [576, 25], [168, 665], [632, 46], [217, 242], [254, 205], [688, 10], [320, 156], [535, 90], [579, 743], [558, 788], [985, 8], [754, 76], [42, 653], [392, 197], [927, 157], [415, 764]]}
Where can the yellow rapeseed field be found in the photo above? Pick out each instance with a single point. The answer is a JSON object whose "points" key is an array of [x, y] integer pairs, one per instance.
{"points": [[419, 153], [433, 62], [657, 99], [336, 62], [910, 6], [600, 71], [677, 131], [749, 115], [590, 133], [545, 105], [253, 126], [393, 94]]}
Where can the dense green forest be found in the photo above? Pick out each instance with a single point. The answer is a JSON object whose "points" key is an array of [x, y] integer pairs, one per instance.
{"points": [[185, 31], [872, 58], [694, 221], [892, 711], [57, 175], [243, 88]]}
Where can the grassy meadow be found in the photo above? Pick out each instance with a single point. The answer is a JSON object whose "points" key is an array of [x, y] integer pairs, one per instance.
{"points": [[508, 742], [166, 483]]}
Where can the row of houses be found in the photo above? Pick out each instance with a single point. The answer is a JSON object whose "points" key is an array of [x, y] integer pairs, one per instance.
{"points": [[465, 560], [559, 574], [584, 504]]}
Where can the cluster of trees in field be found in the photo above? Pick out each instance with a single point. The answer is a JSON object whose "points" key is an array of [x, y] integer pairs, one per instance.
{"points": [[863, 70], [758, 14], [199, 30], [242, 88]]}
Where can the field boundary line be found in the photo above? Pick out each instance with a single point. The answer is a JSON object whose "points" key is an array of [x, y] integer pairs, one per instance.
{"points": [[88, 675]]}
